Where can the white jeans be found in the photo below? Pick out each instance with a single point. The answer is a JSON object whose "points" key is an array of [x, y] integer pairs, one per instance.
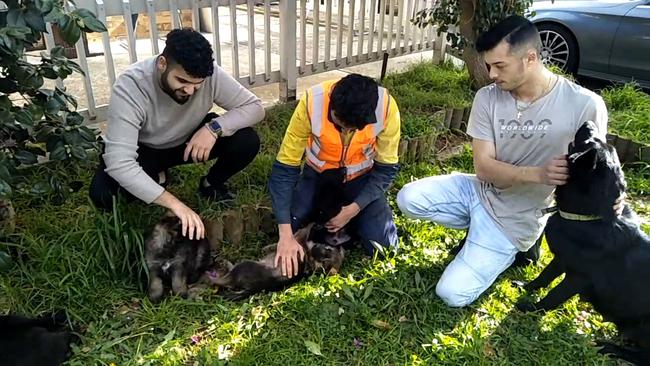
{"points": [[452, 201]]}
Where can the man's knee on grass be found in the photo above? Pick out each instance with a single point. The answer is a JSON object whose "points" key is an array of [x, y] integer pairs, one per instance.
{"points": [[453, 296]]}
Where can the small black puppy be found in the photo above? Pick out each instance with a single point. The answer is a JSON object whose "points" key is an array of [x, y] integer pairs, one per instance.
{"points": [[606, 258], [250, 277], [173, 258], [34, 342], [323, 249]]}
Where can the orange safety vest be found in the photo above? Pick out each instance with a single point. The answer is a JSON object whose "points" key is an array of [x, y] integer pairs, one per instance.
{"points": [[325, 147]]}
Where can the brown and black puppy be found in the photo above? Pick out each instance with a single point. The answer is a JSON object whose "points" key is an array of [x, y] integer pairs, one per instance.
{"points": [[605, 258], [252, 276], [173, 258]]}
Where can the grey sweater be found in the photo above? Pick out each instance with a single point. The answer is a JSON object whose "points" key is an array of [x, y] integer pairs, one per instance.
{"points": [[141, 113]]}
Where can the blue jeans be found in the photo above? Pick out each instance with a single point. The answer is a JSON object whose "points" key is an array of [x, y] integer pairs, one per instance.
{"points": [[374, 222], [452, 201]]}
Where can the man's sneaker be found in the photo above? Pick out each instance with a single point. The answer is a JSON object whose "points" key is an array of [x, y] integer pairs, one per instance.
{"points": [[532, 255], [215, 193]]}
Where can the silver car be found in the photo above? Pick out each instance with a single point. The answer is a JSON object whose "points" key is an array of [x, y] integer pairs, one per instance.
{"points": [[600, 39]]}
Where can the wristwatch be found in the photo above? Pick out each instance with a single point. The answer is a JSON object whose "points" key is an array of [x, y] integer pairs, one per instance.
{"points": [[214, 127]]}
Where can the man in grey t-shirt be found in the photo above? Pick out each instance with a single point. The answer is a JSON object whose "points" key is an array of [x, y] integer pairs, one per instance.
{"points": [[158, 118], [521, 126]]}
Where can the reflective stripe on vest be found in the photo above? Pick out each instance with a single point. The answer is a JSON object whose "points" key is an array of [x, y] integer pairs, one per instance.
{"points": [[359, 156]]}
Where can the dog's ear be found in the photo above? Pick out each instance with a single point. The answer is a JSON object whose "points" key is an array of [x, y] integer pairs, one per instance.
{"points": [[586, 159], [302, 235]]}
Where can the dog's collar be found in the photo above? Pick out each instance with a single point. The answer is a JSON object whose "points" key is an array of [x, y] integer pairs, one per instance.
{"points": [[571, 216]]}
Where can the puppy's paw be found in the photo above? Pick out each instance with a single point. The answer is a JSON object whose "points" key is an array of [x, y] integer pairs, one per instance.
{"points": [[155, 298], [526, 306]]}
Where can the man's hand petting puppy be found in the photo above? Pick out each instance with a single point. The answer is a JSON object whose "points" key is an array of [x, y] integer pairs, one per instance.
{"points": [[337, 222], [289, 253], [556, 172]]}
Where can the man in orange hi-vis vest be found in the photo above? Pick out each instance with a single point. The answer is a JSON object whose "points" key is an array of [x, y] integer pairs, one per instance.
{"points": [[351, 124]]}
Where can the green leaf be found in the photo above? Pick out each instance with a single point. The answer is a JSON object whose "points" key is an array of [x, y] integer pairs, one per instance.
{"points": [[18, 32], [59, 153], [83, 13], [71, 32], [87, 134], [5, 102], [54, 142], [24, 117], [57, 52], [70, 99], [44, 134], [15, 18], [6, 117], [313, 347], [89, 21], [72, 137], [8, 86], [25, 157], [78, 152], [5, 175], [74, 119], [48, 72], [55, 16], [5, 258], [45, 6], [36, 111], [53, 106], [94, 25], [5, 188], [34, 19]]}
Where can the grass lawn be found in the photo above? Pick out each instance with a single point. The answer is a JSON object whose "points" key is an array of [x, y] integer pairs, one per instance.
{"points": [[373, 313]]}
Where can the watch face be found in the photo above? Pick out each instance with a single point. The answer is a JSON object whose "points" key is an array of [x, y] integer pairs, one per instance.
{"points": [[214, 125]]}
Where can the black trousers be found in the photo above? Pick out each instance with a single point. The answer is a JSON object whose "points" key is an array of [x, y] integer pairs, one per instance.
{"points": [[233, 154]]}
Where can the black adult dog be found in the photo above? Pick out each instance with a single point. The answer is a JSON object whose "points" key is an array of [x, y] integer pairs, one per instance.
{"points": [[34, 342], [606, 258]]}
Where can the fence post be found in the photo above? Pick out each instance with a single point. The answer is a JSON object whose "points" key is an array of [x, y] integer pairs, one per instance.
{"points": [[440, 48], [288, 40]]}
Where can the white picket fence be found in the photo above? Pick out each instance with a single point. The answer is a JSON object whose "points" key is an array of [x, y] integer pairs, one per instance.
{"points": [[268, 43]]}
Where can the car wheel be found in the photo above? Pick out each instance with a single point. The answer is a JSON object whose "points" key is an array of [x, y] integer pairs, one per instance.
{"points": [[558, 47]]}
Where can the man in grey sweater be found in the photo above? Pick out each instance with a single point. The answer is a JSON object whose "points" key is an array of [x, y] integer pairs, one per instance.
{"points": [[158, 117]]}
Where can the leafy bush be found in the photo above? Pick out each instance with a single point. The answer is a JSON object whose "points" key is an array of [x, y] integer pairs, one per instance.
{"points": [[36, 120], [426, 86], [629, 112]]}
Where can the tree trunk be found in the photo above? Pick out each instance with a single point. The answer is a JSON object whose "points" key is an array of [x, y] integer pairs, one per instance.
{"points": [[473, 60]]}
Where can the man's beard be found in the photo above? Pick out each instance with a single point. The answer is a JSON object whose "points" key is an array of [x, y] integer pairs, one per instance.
{"points": [[171, 92]]}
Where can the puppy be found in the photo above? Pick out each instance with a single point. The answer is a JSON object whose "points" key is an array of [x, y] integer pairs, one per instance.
{"points": [[34, 342], [605, 258], [323, 249], [173, 258], [250, 277]]}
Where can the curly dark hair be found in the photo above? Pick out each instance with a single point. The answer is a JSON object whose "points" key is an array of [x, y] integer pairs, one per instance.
{"points": [[354, 99], [188, 48]]}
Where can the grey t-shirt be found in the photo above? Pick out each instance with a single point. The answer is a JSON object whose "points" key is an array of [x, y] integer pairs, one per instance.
{"points": [[546, 128], [140, 112]]}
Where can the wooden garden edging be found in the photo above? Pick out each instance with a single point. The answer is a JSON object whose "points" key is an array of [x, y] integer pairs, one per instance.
{"points": [[231, 224], [421, 148], [629, 151]]}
